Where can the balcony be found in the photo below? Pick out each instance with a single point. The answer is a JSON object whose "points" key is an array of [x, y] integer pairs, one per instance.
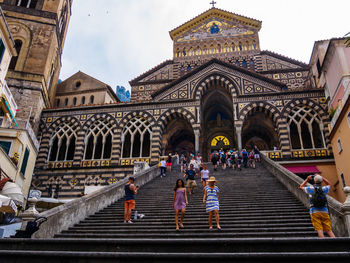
{"points": [[9, 98]]}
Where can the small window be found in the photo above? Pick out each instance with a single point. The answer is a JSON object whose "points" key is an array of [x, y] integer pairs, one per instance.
{"points": [[74, 101], [237, 63], [27, 3], [92, 99], [6, 146], [83, 100], [66, 102], [318, 65], [13, 62], [77, 84], [340, 148], [58, 101], [25, 162], [244, 63], [189, 68], [2, 50], [343, 180]]}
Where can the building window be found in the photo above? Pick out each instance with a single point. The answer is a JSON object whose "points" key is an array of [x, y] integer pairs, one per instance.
{"points": [[251, 64], [25, 162], [58, 101], [98, 142], [92, 99], [305, 129], [318, 65], [83, 100], [6, 146], [237, 63], [62, 144], [136, 138], [66, 102], [244, 64], [340, 148], [27, 3], [2, 50], [343, 180], [13, 62], [74, 101], [348, 118]]}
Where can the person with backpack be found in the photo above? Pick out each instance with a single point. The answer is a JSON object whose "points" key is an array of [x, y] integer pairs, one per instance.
{"points": [[318, 204], [214, 160], [244, 154]]}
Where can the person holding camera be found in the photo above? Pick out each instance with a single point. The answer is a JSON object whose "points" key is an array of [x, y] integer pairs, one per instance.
{"points": [[129, 205], [318, 204]]}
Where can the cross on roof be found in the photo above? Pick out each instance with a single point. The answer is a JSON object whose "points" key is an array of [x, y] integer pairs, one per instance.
{"points": [[213, 3]]}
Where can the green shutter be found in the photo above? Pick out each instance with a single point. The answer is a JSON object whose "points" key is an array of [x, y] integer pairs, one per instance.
{"points": [[6, 146], [25, 162]]}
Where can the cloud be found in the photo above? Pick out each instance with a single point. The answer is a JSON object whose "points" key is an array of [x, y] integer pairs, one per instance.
{"points": [[115, 40]]}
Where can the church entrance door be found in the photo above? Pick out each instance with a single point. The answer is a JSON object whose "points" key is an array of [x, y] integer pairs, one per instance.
{"points": [[217, 121]]}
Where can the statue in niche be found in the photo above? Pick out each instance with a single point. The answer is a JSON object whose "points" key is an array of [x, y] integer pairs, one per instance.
{"points": [[214, 29]]}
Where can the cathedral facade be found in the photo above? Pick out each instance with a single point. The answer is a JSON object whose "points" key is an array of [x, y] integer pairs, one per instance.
{"points": [[218, 91]]}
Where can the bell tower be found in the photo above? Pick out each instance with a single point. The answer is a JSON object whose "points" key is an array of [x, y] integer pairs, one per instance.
{"points": [[39, 29]]}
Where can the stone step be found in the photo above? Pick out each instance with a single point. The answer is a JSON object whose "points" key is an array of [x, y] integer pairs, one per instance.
{"points": [[175, 234], [194, 245], [94, 257]]}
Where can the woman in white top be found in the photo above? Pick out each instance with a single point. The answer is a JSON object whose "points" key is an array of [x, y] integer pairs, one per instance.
{"points": [[204, 175], [195, 163]]}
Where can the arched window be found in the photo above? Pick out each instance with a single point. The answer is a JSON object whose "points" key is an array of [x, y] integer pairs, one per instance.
{"points": [[27, 3], [66, 102], [92, 99], [189, 68], [136, 138], [18, 46], [251, 64], [219, 48], [240, 46], [98, 142], [62, 144], [184, 52], [58, 102], [305, 129], [83, 100], [178, 53], [244, 63], [237, 63], [74, 101]]}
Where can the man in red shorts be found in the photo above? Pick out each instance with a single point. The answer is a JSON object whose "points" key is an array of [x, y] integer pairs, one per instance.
{"points": [[130, 192]]}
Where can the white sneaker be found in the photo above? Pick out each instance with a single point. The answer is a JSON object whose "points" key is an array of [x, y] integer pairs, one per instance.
{"points": [[130, 222]]}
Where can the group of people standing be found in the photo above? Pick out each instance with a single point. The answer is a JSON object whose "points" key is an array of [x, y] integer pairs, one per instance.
{"points": [[235, 159]]}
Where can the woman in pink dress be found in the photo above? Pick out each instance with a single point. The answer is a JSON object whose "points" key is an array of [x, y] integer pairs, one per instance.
{"points": [[179, 202]]}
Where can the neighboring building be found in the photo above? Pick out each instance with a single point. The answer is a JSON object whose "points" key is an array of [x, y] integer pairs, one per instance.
{"points": [[18, 144], [123, 94], [219, 91], [82, 89], [331, 71], [39, 29]]}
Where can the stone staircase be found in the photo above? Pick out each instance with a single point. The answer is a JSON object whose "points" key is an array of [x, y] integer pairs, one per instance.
{"points": [[261, 221]]}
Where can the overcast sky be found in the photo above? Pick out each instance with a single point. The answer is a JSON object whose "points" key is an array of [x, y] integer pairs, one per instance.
{"points": [[117, 40]]}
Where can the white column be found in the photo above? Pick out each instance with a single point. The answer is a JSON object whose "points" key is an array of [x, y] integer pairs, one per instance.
{"points": [[239, 137], [196, 136]]}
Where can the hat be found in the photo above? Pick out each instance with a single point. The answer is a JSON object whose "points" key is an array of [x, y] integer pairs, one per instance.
{"points": [[212, 179], [318, 178]]}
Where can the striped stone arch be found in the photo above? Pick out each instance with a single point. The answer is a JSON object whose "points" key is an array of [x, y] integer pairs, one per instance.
{"points": [[270, 109], [48, 133], [215, 79], [174, 114], [118, 147], [80, 147], [317, 108], [274, 114]]}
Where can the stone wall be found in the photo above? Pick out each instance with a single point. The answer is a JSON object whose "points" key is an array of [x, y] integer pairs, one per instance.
{"points": [[292, 182], [62, 217]]}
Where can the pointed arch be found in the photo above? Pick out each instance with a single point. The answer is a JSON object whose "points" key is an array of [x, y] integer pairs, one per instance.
{"points": [[215, 79]]}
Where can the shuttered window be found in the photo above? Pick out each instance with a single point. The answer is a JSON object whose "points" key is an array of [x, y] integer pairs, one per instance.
{"points": [[25, 162]]}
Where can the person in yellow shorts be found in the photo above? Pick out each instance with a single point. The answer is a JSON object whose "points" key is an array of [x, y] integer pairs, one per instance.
{"points": [[318, 208]]}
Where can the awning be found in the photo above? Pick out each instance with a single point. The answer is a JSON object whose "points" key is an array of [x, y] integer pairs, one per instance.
{"points": [[303, 169], [8, 108]]}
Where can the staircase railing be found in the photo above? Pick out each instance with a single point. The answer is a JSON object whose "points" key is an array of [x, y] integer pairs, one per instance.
{"points": [[338, 211], [62, 217]]}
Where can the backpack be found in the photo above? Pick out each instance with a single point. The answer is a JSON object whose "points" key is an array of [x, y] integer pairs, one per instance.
{"points": [[318, 198]]}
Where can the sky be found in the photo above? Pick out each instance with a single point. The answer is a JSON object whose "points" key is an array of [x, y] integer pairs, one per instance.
{"points": [[117, 40]]}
